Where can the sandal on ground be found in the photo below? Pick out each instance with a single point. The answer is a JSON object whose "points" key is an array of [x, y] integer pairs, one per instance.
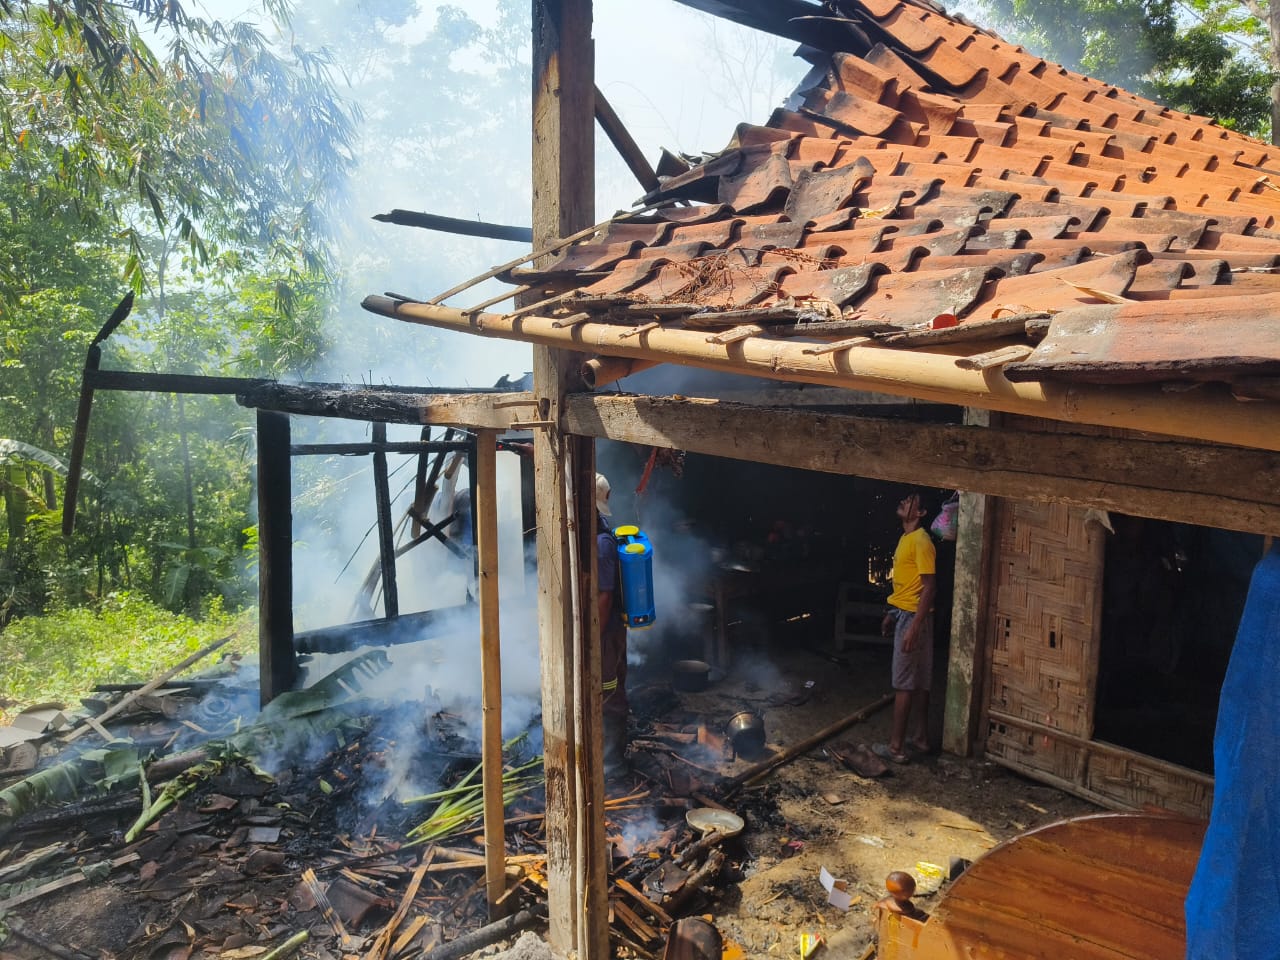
{"points": [[923, 749], [885, 752]]}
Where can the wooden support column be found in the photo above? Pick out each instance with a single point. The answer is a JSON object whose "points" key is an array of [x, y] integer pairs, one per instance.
{"points": [[563, 198], [275, 558], [485, 516], [966, 661], [386, 527]]}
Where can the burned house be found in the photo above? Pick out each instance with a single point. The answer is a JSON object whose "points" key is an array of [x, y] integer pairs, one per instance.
{"points": [[944, 263], [1084, 279]]}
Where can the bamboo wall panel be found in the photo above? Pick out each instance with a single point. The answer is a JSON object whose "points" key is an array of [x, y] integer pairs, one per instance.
{"points": [[1135, 781], [1044, 651], [1043, 637]]}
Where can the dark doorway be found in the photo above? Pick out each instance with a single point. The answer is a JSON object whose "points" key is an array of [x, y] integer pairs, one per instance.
{"points": [[1172, 598]]}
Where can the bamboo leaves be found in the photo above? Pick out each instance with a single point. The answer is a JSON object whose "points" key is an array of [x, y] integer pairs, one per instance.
{"points": [[461, 805]]}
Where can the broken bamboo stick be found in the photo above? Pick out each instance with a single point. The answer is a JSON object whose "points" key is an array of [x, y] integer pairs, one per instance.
{"points": [[382, 943], [656, 911], [995, 358], [153, 685], [804, 746]]}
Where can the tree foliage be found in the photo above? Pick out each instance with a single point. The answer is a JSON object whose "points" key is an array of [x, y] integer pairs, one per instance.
{"points": [[198, 164], [236, 143], [1207, 57]]}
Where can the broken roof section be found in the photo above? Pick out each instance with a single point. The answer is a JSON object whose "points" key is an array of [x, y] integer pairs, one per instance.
{"points": [[932, 184]]}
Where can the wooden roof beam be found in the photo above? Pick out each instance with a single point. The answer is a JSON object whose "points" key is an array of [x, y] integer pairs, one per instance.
{"points": [[1228, 487], [778, 17]]}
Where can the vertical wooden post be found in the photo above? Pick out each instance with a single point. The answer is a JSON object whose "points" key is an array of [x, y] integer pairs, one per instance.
{"points": [[78, 440], [386, 527], [275, 558], [564, 469], [969, 615], [485, 517]]}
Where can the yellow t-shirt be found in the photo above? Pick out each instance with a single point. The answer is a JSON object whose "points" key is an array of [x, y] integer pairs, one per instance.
{"points": [[914, 556]]}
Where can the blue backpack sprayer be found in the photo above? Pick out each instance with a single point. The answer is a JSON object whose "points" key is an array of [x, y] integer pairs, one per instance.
{"points": [[635, 565]]}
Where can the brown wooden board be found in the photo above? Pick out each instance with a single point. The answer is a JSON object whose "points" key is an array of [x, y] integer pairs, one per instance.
{"points": [[1105, 886]]}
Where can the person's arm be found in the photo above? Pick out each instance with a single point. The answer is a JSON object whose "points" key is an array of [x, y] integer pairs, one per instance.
{"points": [[928, 588]]}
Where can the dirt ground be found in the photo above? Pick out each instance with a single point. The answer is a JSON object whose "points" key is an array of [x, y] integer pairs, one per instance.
{"points": [[812, 812], [808, 813]]}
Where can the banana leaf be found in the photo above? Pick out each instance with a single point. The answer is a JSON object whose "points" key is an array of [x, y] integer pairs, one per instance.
{"points": [[91, 774]]}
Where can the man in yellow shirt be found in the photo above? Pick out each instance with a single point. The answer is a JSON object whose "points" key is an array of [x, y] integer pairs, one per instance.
{"points": [[910, 621]]}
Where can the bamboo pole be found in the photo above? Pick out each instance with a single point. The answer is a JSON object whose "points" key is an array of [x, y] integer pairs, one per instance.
{"points": [[486, 526], [1204, 414], [148, 687], [804, 746]]}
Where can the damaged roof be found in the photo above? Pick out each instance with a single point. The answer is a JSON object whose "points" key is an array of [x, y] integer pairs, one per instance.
{"points": [[931, 184]]}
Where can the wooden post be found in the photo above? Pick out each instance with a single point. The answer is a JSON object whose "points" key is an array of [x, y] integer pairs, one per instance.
{"points": [[78, 440], [966, 661], [275, 558], [485, 516], [564, 468], [386, 527]]}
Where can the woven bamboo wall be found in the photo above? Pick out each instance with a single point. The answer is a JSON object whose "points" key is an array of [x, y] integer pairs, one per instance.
{"points": [[1043, 662], [1046, 600]]}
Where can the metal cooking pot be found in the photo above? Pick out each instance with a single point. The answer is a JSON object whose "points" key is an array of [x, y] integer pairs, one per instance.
{"points": [[690, 675], [746, 730]]}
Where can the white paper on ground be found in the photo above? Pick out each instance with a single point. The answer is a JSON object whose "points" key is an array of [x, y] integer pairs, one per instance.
{"points": [[837, 894]]}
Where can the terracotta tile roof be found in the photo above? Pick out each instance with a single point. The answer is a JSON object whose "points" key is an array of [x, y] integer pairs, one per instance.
{"points": [[937, 170]]}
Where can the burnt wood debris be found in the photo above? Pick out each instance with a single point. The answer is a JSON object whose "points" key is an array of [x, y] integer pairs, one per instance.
{"points": [[204, 828]]}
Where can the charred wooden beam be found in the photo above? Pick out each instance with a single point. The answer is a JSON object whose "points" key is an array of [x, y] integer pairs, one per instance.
{"points": [[278, 668], [81, 433], [782, 18], [467, 228], [363, 449], [139, 382], [407, 628], [386, 526], [469, 943], [624, 143], [492, 409]]}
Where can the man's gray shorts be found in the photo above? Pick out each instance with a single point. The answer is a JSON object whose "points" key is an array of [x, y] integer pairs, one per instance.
{"points": [[912, 670]]}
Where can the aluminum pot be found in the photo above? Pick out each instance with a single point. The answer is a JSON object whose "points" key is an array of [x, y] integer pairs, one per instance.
{"points": [[690, 675], [746, 731]]}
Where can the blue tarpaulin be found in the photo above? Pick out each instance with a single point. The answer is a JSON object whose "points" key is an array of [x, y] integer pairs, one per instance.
{"points": [[1233, 907]]}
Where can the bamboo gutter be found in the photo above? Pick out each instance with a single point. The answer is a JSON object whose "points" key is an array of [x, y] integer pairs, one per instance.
{"points": [[1208, 413]]}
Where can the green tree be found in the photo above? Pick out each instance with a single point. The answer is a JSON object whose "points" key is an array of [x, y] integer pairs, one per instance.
{"points": [[1209, 57], [202, 175]]}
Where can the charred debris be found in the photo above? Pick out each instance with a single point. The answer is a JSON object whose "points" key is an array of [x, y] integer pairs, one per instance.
{"points": [[172, 819]]}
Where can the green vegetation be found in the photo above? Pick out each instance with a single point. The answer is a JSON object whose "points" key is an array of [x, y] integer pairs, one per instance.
{"points": [[1207, 57], [61, 656]]}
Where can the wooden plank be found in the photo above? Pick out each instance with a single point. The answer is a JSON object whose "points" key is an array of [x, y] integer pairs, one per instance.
{"points": [[1228, 487], [564, 467], [70, 880], [278, 669], [623, 142], [974, 537], [492, 410], [995, 358], [386, 525], [486, 529]]}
